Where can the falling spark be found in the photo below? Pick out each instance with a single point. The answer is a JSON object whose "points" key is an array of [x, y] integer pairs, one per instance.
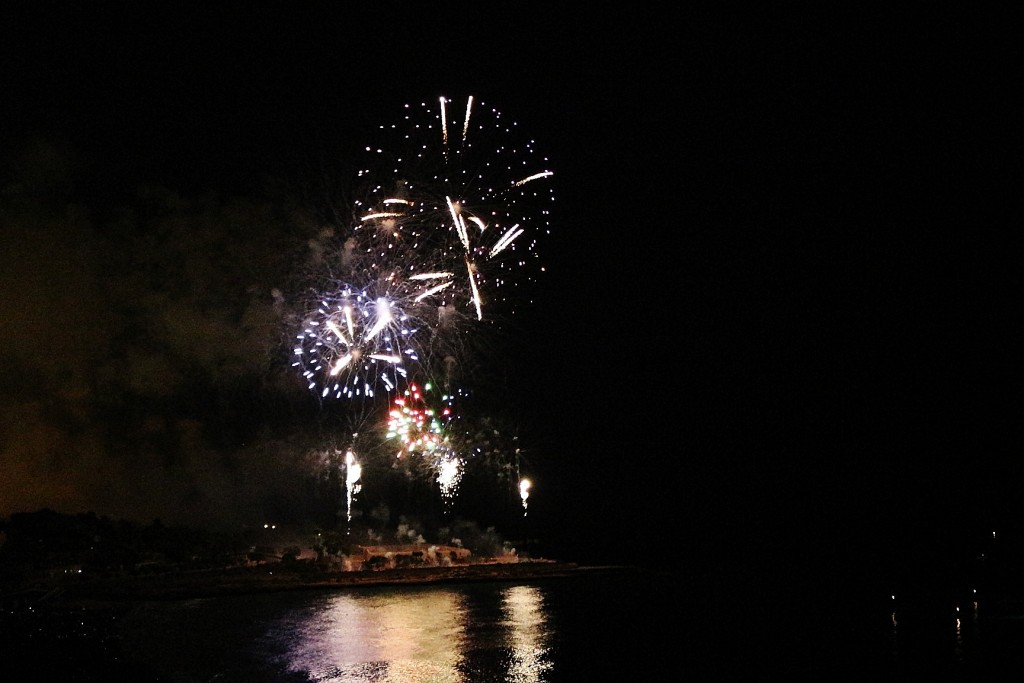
{"points": [[465, 124], [333, 327], [429, 276], [535, 176], [475, 297], [506, 239], [383, 318], [340, 364], [382, 214], [432, 291], [444, 125]]}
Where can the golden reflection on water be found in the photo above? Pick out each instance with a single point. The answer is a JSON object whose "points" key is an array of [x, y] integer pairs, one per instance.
{"points": [[419, 636], [523, 606]]}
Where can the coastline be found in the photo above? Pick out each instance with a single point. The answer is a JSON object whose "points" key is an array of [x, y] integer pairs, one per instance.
{"points": [[279, 577], [74, 630]]}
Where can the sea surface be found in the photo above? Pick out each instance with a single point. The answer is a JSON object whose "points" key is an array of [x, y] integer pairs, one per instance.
{"points": [[622, 625]]}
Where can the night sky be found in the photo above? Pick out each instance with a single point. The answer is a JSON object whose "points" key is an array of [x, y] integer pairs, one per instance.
{"points": [[778, 308]]}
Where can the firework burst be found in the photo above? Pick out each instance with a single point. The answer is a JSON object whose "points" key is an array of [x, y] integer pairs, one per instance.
{"points": [[357, 340], [422, 431], [470, 191], [454, 204]]}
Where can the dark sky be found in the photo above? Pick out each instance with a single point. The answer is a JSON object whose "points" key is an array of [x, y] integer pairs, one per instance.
{"points": [[779, 301]]}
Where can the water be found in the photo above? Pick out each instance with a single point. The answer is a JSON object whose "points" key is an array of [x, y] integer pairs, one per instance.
{"points": [[556, 629], [616, 626]]}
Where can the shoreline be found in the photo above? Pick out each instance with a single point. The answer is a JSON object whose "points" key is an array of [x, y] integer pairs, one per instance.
{"points": [[62, 628], [283, 578]]}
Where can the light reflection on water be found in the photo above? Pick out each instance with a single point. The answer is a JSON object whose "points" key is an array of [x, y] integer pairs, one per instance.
{"points": [[437, 634], [529, 632], [592, 628], [600, 628]]}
